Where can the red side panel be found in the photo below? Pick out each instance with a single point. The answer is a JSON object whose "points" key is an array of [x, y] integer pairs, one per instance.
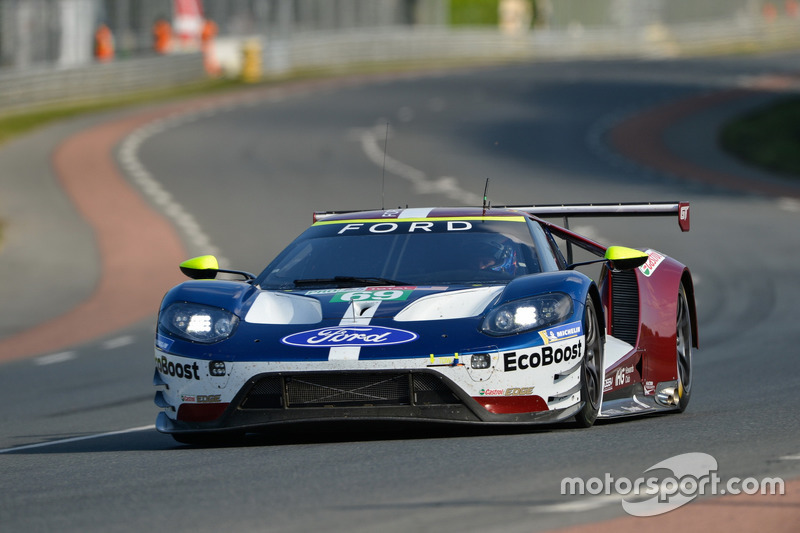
{"points": [[659, 282], [197, 412], [512, 404]]}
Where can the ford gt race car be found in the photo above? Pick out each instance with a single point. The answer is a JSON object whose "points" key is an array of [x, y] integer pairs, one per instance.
{"points": [[436, 314]]}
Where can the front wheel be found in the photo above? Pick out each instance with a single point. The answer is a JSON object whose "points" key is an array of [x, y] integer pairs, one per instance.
{"points": [[592, 367]]}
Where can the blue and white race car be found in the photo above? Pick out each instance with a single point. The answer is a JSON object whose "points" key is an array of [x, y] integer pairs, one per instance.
{"points": [[435, 314]]}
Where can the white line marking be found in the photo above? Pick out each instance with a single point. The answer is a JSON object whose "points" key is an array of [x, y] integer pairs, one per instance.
{"points": [[789, 204], [76, 439], [119, 342], [54, 358], [153, 189], [790, 458], [577, 506], [372, 145]]}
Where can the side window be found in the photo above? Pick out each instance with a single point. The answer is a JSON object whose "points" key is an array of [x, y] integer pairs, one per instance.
{"points": [[562, 262], [549, 255]]}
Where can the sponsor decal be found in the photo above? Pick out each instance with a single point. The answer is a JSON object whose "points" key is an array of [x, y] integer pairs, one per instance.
{"points": [[623, 376], [317, 292], [513, 391], [372, 295], [350, 336], [548, 355], [177, 370], [653, 260], [201, 398], [163, 343], [326, 291], [608, 384], [562, 332], [519, 391], [649, 388]]}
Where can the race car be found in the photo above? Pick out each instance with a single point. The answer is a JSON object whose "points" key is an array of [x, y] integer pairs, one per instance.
{"points": [[468, 315]]}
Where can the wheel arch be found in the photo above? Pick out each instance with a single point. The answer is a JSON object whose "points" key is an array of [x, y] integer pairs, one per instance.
{"points": [[688, 286], [594, 292]]}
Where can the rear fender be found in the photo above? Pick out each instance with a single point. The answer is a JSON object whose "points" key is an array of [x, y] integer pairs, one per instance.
{"points": [[658, 304]]}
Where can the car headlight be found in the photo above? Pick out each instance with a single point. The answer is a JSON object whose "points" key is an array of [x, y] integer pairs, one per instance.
{"points": [[527, 314], [198, 323]]}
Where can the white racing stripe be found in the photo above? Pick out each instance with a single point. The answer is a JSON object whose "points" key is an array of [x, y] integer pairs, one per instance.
{"points": [[418, 212], [357, 314], [77, 439]]}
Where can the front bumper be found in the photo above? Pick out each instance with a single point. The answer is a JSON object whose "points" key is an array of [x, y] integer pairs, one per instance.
{"points": [[414, 395]]}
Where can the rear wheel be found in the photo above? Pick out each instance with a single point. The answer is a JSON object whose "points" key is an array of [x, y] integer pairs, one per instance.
{"points": [[684, 349], [592, 367]]}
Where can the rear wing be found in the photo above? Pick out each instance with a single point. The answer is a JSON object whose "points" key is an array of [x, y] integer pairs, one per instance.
{"points": [[567, 211]]}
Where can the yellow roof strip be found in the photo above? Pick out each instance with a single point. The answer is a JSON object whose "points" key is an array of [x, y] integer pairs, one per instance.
{"points": [[427, 219]]}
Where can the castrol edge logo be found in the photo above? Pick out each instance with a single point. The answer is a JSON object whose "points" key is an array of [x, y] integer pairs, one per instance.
{"points": [[653, 260]]}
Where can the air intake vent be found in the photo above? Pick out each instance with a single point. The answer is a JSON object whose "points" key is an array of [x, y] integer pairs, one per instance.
{"points": [[348, 389], [319, 390], [625, 306]]}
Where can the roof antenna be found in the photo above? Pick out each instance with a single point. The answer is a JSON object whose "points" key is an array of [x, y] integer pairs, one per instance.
{"points": [[383, 175], [485, 191]]}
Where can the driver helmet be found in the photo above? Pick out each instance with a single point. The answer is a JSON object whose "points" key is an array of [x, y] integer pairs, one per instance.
{"points": [[497, 255]]}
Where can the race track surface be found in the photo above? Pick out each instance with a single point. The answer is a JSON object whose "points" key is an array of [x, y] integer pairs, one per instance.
{"points": [[240, 176]]}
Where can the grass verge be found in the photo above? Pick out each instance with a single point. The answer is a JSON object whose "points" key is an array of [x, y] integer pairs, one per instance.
{"points": [[768, 138]]}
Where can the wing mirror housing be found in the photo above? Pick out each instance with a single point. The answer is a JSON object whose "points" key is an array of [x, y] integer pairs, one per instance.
{"points": [[618, 258], [622, 258], [207, 267]]}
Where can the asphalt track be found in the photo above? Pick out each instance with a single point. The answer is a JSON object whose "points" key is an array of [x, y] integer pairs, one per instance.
{"points": [[240, 176]]}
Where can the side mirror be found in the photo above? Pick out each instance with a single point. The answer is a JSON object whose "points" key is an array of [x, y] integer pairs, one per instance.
{"points": [[207, 267], [203, 267], [622, 258]]}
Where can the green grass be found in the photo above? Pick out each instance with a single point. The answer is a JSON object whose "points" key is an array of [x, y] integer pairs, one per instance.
{"points": [[15, 124], [474, 12], [768, 138]]}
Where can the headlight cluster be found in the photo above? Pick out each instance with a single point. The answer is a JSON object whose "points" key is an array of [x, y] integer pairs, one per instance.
{"points": [[527, 314], [198, 323]]}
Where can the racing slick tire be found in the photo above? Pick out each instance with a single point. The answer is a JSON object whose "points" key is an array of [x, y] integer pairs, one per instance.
{"points": [[683, 337], [591, 368]]}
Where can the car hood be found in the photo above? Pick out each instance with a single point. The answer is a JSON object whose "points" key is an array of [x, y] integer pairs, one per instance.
{"points": [[403, 304]]}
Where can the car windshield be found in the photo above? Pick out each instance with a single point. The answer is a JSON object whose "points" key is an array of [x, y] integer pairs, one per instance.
{"points": [[398, 252]]}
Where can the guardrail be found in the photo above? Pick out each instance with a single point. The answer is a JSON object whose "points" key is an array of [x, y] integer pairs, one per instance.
{"points": [[21, 89], [330, 51]]}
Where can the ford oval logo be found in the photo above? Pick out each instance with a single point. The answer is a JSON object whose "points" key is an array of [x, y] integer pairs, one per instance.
{"points": [[350, 336]]}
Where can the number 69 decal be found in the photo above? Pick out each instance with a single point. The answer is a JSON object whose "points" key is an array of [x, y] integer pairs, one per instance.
{"points": [[362, 296]]}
